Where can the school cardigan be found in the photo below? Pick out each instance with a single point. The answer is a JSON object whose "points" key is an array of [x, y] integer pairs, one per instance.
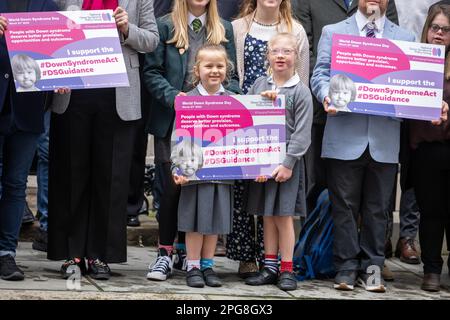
{"points": [[299, 114]]}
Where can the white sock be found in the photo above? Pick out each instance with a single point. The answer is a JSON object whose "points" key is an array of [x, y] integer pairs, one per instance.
{"points": [[191, 264]]}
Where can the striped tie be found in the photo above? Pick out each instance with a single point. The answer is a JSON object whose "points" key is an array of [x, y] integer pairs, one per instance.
{"points": [[370, 30], [196, 25]]}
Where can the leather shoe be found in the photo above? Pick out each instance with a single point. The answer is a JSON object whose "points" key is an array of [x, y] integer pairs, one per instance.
{"points": [[264, 277], [133, 221], [211, 278], [287, 281], [431, 282], [28, 217], [247, 269], [194, 278], [406, 251], [387, 274]]}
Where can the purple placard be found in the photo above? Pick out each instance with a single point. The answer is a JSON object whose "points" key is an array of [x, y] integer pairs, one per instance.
{"points": [[386, 77], [73, 49], [229, 137]]}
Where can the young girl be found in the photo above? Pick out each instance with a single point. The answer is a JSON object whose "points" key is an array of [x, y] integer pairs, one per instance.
{"points": [[281, 198], [26, 73], [342, 91], [205, 207], [168, 73], [259, 20]]}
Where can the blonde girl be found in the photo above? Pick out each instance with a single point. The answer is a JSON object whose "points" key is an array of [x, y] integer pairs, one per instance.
{"points": [[282, 197], [168, 73]]}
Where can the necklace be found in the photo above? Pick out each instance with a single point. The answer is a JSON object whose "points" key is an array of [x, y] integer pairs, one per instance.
{"points": [[266, 25]]}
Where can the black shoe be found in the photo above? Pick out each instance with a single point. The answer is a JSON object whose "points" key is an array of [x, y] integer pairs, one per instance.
{"points": [[98, 269], [28, 217], [72, 267], [287, 281], [194, 278], [9, 270], [211, 278], [345, 280], [40, 242], [180, 260], [266, 276], [133, 221]]}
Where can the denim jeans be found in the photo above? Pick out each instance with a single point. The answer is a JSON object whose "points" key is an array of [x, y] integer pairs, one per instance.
{"points": [[18, 150], [42, 174]]}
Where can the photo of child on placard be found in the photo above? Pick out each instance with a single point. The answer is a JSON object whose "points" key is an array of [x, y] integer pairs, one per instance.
{"points": [[26, 73], [187, 159], [342, 91]]}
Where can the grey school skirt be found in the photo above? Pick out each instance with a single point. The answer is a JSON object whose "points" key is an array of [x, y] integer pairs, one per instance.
{"points": [[206, 208], [279, 199]]}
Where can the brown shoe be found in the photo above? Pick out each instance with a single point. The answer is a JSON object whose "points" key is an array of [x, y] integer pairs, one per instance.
{"points": [[406, 251], [387, 274], [247, 269], [431, 282], [221, 250]]}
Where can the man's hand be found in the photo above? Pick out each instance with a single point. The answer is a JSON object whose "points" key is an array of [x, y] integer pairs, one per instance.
{"points": [[180, 180], [328, 109], [3, 26], [444, 115], [62, 90], [121, 17], [282, 174]]}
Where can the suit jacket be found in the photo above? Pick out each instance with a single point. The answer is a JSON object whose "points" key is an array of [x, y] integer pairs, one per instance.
{"points": [[314, 15], [27, 109], [347, 134], [164, 73], [143, 37]]}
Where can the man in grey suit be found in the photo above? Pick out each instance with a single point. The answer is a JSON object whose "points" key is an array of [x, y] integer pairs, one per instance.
{"points": [[361, 153], [314, 15]]}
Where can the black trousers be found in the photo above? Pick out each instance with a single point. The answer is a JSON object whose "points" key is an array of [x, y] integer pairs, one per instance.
{"points": [[316, 169], [431, 179], [89, 167], [360, 187], [168, 207]]}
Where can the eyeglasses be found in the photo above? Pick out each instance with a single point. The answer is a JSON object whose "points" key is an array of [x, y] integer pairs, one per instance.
{"points": [[284, 51], [435, 28]]}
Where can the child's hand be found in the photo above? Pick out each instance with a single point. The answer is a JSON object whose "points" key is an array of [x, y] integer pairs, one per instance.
{"points": [[62, 90], [261, 179], [282, 174], [272, 95], [328, 109], [444, 116], [180, 180], [121, 17], [3, 25]]}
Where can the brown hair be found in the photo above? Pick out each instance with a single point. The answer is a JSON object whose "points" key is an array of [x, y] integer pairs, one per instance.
{"points": [[249, 6], [209, 48], [432, 13], [215, 31]]}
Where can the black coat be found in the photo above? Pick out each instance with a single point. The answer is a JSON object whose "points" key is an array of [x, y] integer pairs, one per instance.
{"points": [[26, 109]]}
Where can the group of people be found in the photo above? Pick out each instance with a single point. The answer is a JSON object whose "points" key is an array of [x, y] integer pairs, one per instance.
{"points": [[96, 142]]}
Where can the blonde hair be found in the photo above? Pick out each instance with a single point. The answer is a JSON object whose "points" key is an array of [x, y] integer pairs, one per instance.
{"points": [[283, 35], [249, 7], [212, 48], [215, 31], [21, 62]]}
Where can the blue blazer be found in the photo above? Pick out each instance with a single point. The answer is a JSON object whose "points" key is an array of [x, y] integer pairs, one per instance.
{"points": [[347, 135], [27, 109]]}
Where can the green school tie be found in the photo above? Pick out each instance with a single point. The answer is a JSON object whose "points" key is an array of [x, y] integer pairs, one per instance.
{"points": [[196, 25]]}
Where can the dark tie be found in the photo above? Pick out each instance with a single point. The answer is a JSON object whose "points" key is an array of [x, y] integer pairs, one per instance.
{"points": [[370, 30], [196, 25]]}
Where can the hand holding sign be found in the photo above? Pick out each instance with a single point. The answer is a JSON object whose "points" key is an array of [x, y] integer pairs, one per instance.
{"points": [[3, 25], [326, 106], [121, 17], [444, 116]]}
